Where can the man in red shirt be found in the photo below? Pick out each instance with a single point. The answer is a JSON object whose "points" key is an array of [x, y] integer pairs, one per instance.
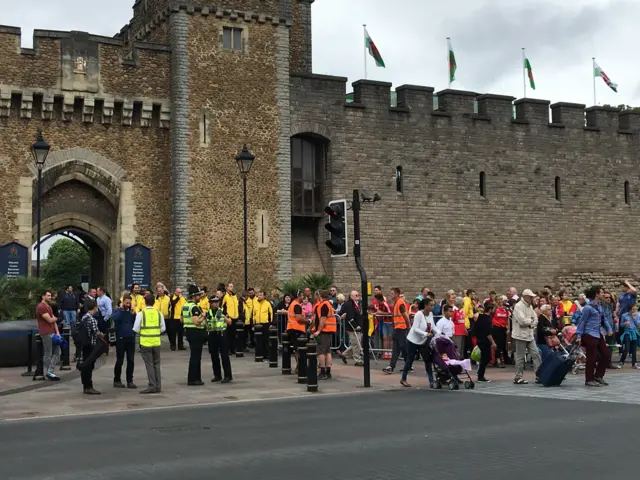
{"points": [[47, 327]]}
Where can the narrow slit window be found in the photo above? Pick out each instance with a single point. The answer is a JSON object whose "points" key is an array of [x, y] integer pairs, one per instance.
{"points": [[483, 185], [399, 180], [627, 196], [232, 38], [558, 190], [204, 127]]}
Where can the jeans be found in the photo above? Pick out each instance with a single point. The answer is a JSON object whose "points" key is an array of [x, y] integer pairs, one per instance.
{"points": [[524, 347], [399, 346], [195, 337], [69, 317], [51, 354], [425, 353], [596, 366], [219, 349], [485, 358], [630, 346], [151, 357], [124, 345]]}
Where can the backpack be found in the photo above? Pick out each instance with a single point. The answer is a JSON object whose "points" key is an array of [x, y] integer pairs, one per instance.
{"points": [[80, 333]]}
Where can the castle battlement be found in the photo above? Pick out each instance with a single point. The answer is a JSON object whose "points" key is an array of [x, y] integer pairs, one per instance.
{"points": [[466, 106]]}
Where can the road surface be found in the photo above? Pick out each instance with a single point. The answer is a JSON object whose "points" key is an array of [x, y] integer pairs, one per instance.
{"points": [[416, 434]]}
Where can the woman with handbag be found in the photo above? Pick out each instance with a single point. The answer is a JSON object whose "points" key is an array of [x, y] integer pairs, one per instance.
{"points": [[546, 335]]}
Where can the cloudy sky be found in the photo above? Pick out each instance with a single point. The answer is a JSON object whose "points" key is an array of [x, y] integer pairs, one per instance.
{"points": [[560, 36]]}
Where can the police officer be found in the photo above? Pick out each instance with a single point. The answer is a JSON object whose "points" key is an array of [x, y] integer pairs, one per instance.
{"points": [[217, 323], [194, 323]]}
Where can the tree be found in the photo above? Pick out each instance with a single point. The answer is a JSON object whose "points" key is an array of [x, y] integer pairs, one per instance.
{"points": [[66, 262]]}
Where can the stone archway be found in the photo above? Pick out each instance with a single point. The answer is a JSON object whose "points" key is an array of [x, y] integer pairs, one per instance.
{"points": [[85, 192]]}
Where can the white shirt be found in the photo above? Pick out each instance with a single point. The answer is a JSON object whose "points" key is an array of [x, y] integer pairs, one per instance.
{"points": [[418, 333], [445, 327], [136, 324]]}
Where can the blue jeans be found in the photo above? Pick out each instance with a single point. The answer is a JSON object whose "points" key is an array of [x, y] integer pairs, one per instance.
{"points": [[69, 317]]}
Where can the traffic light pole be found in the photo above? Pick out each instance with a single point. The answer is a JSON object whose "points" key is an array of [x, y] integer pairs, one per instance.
{"points": [[355, 206]]}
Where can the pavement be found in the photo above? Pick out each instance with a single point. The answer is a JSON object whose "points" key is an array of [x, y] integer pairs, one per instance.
{"points": [[21, 397], [393, 435]]}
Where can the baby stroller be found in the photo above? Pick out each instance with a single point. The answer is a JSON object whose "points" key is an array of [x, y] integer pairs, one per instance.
{"points": [[569, 346], [447, 365]]}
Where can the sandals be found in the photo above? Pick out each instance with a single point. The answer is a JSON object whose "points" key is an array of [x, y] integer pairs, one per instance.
{"points": [[520, 381]]}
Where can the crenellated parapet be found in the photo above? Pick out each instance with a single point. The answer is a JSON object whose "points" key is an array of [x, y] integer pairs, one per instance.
{"points": [[463, 106], [83, 107]]}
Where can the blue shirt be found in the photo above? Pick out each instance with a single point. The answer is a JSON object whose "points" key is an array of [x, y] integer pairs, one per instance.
{"points": [[632, 329], [593, 322], [104, 305], [626, 300], [123, 321]]}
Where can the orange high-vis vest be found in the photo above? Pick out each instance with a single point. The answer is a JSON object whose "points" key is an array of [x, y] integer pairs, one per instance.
{"points": [[292, 323], [399, 322], [330, 323]]}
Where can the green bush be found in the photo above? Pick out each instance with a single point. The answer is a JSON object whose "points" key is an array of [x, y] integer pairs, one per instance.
{"points": [[314, 281], [19, 297]]}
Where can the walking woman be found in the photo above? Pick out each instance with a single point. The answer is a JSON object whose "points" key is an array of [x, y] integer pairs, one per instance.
{"points": [[482, 331], [422, 332], [629, 338]]}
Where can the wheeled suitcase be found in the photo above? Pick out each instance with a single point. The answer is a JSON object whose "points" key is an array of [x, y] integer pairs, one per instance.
{"points": [[554, 369]]}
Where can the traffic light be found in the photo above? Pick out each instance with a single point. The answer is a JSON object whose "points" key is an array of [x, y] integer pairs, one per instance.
{"points": [[337, 226]]}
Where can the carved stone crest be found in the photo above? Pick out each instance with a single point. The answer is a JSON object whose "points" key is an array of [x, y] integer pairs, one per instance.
{"points": [[80, 66]]}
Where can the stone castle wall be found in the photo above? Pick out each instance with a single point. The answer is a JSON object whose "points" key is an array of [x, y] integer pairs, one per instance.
{"points": [[440, 231]]}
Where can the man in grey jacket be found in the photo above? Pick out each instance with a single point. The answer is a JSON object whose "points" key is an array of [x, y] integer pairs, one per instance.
{"points": [[523, 333]]}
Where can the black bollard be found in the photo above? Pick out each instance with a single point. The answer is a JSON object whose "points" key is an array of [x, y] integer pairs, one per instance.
{"points": [[39, 373], [239, 326], [302, 360], [29, 372], [258, 332], [66, 334], [286, 354], [312, 367], [273, 347]]}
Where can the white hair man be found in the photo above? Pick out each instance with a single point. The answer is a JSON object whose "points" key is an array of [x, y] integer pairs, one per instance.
{"points": [[523, 330], [352, 316]]}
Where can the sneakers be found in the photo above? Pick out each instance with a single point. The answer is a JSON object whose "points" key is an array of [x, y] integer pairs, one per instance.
{"points": [[131, 385], [635, 366], [388, 370], [118, 384], [52, 376], [620, 365], [602, 382], [148, 391], [484, 380], [591, 383], [91, 391], [322, 376]]}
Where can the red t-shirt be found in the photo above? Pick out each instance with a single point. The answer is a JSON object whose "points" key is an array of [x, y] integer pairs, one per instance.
{"points": [[44, 327], [500, 317], [457, 317]]}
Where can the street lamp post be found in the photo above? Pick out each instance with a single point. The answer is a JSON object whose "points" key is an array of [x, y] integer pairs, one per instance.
{"points": [[245, 160], [39, 150]]}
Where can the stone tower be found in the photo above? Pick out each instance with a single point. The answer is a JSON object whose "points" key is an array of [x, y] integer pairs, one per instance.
{"points": [[229, 86]]}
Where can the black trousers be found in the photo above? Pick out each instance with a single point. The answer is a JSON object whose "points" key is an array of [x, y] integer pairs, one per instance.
{"points": [[196, 338], [124, 346], [175, 330], [485, 357], [399, 346], [231, 336], [219, 350], [499, 335]]}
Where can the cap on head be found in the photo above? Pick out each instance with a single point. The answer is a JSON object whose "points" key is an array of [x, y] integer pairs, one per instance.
{"points": [[528, 293], [214, 299]]}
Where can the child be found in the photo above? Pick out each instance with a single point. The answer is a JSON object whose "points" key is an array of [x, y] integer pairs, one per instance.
{"points": [[629, 338]]}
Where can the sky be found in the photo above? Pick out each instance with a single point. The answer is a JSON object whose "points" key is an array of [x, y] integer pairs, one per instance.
{"points": [[560, 37]]}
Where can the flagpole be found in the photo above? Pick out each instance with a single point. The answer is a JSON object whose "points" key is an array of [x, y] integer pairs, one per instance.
{"points": [[449, 60], [364, 28], [593, 74], [524, 78]]}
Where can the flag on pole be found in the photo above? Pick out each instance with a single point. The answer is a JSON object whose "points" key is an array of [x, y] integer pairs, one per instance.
{"points": [[598, 72], [373, 50], [452, 63], [527, 66]]}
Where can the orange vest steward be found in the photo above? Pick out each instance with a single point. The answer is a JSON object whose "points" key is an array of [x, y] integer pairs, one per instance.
{"points": [[292, 323], [399, 322], [330, 322]]}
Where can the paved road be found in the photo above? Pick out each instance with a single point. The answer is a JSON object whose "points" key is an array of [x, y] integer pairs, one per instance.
{"points": [[387, 435]]}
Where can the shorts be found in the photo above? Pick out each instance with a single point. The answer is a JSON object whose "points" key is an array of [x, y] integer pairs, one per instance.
{"points": [[293, 336], [324, 343], [387, 329]]}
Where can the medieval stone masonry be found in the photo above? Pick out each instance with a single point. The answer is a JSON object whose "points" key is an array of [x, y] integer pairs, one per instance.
{"points": [[145, 126]]}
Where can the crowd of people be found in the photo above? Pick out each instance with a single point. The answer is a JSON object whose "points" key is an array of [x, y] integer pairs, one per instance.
{"points": [[506, 329]]}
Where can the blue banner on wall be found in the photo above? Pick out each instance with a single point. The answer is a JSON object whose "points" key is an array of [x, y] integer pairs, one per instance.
{"points": [[137, 265], [14, 260]]}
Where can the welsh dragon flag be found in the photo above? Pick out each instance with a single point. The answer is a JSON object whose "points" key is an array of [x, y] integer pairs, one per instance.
{"points": [[527, 66], [598, 72], [373, 50]]}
